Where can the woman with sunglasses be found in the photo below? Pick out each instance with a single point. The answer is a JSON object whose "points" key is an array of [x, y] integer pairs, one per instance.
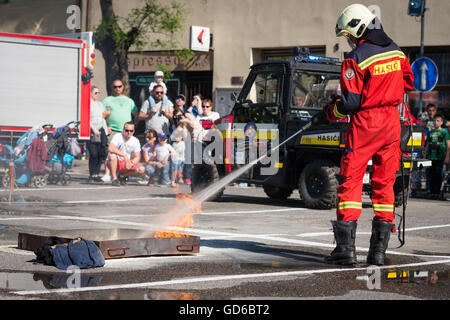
{"points": [[97, 143], [196, 106]]}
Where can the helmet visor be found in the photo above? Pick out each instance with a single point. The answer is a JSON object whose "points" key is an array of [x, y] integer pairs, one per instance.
{"points": [[340, 32]]}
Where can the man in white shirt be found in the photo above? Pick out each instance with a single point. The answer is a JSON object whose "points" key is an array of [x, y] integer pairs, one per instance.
{"points": [[124, 155]]}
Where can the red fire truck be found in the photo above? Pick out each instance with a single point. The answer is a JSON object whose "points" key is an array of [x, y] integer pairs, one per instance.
{"points": [[44, 80]]}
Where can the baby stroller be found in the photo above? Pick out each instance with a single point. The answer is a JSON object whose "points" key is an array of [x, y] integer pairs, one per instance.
{"points": [[27, 158], [62, 149]]}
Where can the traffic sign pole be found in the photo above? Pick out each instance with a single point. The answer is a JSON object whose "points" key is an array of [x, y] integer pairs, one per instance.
{"points": [[422, 49]]}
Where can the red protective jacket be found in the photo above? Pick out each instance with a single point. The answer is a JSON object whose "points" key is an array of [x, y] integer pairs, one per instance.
{"points": [[372, 76]]}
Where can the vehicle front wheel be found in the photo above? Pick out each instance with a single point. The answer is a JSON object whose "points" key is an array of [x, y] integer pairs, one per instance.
{"points": [[318, 184]]}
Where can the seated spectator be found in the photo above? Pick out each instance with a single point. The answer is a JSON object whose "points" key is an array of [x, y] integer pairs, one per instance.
{"points": [[124, 155], [159, 168], [148, 152]]}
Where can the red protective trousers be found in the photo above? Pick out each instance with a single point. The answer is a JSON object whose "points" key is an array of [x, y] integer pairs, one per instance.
{"points": [[373, 133]]}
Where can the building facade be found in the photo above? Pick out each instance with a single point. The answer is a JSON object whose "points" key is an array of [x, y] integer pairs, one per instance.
{"points": [[243, 32]]}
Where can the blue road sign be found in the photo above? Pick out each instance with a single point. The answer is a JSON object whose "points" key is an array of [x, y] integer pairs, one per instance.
{"points": [[425, 74]]}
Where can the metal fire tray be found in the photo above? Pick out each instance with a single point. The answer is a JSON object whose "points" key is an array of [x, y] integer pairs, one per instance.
{"points": [[117, 243]]}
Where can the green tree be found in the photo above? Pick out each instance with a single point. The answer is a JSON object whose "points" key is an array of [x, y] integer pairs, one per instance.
{"points": [[154, 25]]}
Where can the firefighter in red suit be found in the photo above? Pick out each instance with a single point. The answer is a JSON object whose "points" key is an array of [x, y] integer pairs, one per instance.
{"points": [[374, 77]]}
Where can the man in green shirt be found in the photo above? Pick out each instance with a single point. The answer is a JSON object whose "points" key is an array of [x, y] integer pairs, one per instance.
{"points": [[120, 106], [438, 151]]}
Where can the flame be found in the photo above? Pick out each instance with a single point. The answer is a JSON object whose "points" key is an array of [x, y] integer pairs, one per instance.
{"points": [[180, 218]]}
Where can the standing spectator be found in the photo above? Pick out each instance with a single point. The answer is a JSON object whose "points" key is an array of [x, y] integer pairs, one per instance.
{"points": [[196, 106], [121, 108], [157, 117], [124, 155], [438, 143], [97, 142], [148, 151], [178, 130], [180, 101], [163, 151], [177, 161], [416, 179], [209, 116], [432, 111], [193, 134]]}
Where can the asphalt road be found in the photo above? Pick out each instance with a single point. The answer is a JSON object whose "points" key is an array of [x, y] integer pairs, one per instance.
{"points": [[250, 248]]}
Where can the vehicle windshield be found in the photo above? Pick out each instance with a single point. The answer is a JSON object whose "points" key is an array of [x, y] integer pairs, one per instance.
{"points": [[262, 101], [313, 90]]}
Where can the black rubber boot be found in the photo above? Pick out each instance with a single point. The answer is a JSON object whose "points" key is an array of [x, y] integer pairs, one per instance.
{"points": [[345, 234], [381, 231]]}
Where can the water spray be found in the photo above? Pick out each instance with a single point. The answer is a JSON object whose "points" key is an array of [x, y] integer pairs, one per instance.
{"points": [[212, 189]]}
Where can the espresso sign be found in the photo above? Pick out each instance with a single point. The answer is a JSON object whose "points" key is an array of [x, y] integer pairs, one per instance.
{"points": [[149, 61]]}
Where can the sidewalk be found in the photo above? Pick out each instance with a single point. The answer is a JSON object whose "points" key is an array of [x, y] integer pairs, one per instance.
{"points": [[80, 168]]}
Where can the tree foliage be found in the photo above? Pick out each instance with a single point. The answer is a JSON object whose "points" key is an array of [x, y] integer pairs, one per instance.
{"points": [[154, 25]]}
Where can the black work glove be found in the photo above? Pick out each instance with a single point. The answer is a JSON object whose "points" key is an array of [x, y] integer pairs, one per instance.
{"points": [[320, 117]]}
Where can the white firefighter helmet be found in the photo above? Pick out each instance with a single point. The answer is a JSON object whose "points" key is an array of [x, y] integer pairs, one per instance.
{"points": [[354, 20]]}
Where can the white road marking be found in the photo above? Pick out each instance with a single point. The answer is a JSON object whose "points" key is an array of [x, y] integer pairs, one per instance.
{"points": [[228, 234], [64, 188], [218, 213], [327, 233], [428, 227], [37, 203], [220, 278]]}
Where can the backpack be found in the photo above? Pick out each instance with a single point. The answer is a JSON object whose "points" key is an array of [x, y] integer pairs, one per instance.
{"points": [[79, 252]]}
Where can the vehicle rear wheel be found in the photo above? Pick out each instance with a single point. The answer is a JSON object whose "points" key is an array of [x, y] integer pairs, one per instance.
{"points": [[318, 184], [203, 176], [278, 193]]}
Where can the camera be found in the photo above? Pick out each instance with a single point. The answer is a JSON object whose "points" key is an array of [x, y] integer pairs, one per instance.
{"points": [[178, 117]]}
